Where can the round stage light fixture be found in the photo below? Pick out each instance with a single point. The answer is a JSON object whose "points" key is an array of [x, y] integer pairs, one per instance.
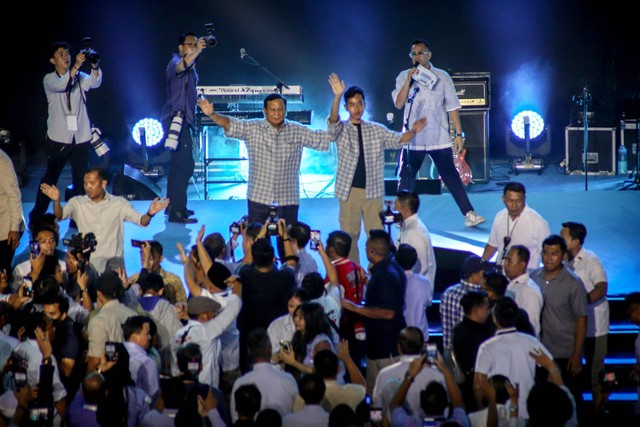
{"points": [[536, 124], [150, 128]]}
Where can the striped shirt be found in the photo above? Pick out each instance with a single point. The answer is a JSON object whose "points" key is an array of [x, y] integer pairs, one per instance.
{"points": [[450, 309], [274, 157], [375, 138]]}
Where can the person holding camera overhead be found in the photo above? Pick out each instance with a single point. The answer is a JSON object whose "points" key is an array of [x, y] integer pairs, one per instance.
{"points": [[102, 214], [68, 124], [178, 122]]}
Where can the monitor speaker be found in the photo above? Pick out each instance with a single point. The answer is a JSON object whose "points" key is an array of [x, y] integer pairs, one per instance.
{"points": [[134, 185]]}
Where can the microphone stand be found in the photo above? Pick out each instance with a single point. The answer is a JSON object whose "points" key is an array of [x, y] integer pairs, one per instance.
{"points": [[585, 106], [409, 170], [280, 83]]}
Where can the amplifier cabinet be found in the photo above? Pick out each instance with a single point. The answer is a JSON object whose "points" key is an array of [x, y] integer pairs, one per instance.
{"points": [[473, 89], [601, 157]]}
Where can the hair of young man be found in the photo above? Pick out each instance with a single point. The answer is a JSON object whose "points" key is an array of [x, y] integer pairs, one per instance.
{"points": [[406, 256], [522, 252], [33, 321], [471, 300], [182, 37], [101, 173], [505, 312], [515, 187], [173, 391], [262, 252], [433, 399], [421, 41], [134, 324], [300, 232], [555, 240], [379, 239], [548, 405], [92, 387], [215, 243], [326, 364], [313, 282], [576, 230], [156, 248], [273, 97], [268, 417], [49, 266], [153, 281], [248, 399], [189, 352], [253, 229], [300, 293], [353, 91], [340, 241], [53, 48], [258, 345], [410, 340], [45, 288], [61, 300], [409, 199], [45, 222], [311, 388], [499, 383], [496, 282], [342, 415]]}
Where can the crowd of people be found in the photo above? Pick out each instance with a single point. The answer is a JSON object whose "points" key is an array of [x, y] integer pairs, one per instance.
{"points": [[272, 338]]}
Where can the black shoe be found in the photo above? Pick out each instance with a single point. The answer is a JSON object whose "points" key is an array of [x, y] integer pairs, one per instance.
{"points": [[182, 218], [187, 212]]}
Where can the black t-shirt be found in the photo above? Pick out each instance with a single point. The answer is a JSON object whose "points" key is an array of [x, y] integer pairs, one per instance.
{"points": [[360, 175]]}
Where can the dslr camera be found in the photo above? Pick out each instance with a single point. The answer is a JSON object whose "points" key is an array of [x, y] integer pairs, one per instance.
{"points": [[389, 216], [83, 245], [236, 226], [208, 35], [272, 226], [89, 53]]}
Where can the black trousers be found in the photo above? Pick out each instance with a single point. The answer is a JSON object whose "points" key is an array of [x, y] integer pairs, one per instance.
{"points": [[57, 157], [6, 257], [443, 159], [181, 165]]}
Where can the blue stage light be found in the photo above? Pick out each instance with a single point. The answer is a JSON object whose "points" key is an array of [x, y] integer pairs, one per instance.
{"points": [[152, 130], [536, 124]]}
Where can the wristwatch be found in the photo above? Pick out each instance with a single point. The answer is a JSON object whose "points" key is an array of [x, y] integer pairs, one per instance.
{"points": [[460, 134]]}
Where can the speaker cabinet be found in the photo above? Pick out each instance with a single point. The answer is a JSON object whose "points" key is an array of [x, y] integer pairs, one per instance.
{"points": [[134, 185], [630, 137], [601, 159]]}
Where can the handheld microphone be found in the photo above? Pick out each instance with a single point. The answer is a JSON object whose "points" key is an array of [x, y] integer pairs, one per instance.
{"points": [[390, 117], [416, 64], [243, 53]]}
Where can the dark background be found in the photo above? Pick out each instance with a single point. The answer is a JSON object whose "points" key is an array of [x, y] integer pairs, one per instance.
{"points": [[539, 53]]}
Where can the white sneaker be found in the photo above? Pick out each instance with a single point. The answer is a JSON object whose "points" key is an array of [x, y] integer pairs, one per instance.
{"points": [[471, 219]]}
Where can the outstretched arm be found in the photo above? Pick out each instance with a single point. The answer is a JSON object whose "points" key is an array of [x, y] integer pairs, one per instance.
{"points": [[207, 107], [338, 87], [52, 192]]}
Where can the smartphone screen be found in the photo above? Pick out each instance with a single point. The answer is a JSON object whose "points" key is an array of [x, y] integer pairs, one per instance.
{"points": [[432, 352], [110, 351], [375, 415], [136, 243], [314, 239], [34, 247]]}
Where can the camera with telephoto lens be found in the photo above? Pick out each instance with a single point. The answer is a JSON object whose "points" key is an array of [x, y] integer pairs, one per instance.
{"points": [[209, 37], [172, 141], [389, 216], [236, 226], [272, 226], [83, 245], [99, 146], [91, 55]]}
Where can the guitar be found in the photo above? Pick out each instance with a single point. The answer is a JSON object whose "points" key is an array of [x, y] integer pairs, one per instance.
{"points": [[462, 166]]}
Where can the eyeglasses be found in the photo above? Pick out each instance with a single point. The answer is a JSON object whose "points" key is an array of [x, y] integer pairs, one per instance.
{"points": [[422, 52], [190, 44]]}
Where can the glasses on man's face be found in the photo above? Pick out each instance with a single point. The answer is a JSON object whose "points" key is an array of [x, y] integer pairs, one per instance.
{"points": [[421, 52], [190, 44]]}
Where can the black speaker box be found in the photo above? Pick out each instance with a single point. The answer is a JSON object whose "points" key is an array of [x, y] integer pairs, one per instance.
{"points": [[601, 154], [475, 125], [134, 185]]}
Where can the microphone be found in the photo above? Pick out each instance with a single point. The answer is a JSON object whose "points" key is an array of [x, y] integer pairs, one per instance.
{"points": [[413, 95], [416, 64], [390, 117], [243, 53]]}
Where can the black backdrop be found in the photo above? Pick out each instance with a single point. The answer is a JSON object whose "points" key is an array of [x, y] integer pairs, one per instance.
{"points": [[548, 50]]}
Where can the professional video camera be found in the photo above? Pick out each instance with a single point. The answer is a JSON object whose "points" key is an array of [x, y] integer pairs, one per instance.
{"points": [[83, 245], [236, 226], [209, 37], [91, 55], [389, 216], [272, 226]]}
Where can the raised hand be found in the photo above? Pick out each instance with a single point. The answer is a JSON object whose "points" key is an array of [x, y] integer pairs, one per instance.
{"points": [[51, 191], [205, 106], [158, 204], [337, 85]]}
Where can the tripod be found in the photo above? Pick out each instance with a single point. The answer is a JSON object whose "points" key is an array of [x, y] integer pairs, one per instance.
{"points": [[634, 183]]}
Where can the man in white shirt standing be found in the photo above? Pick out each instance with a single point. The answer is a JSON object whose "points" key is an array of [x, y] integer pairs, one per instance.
{"points": [[588, 267], [415, 233], [524, 291], [516, 224]]}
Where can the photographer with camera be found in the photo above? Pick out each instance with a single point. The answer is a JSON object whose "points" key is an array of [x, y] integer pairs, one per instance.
{"points": [[68, 125], [81, 274], [178, 122]]}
